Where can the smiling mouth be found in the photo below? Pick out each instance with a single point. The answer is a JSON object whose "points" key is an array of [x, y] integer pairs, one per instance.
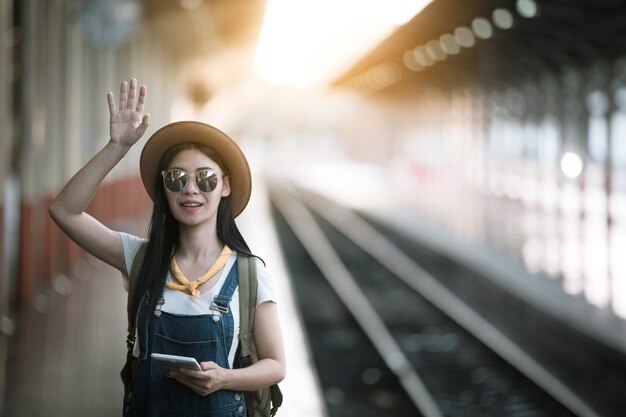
{"points": [[191, 204]]}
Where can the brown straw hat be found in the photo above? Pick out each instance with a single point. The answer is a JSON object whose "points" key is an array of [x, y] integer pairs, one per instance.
{"points": [[196, 132]]}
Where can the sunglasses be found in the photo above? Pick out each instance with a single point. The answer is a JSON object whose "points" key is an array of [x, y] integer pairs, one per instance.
{"points": [[175, 180]]}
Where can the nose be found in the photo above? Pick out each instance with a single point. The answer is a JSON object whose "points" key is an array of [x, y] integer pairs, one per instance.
{"points": [[191, 187]]}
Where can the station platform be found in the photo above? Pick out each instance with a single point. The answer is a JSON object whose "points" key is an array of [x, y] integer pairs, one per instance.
{"points": [[69, 345]]}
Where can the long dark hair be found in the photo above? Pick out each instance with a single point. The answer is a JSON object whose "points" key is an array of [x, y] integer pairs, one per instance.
{"points": [[163, 229]]}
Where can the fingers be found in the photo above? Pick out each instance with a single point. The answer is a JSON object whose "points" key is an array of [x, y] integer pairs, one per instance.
{"points": [[195, 375], [123, 92], [132, 94], [129, 97], [208, 365], [191, 374], [145, 122], [112, 109], [198, 381], [143, 92], [195, 386], [201, 382]]}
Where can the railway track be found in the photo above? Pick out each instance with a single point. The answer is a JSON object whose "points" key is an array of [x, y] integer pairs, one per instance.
{"points": [[389, 338]]}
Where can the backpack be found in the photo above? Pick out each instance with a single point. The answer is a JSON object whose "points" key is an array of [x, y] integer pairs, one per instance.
{"points": [[260, 403]]}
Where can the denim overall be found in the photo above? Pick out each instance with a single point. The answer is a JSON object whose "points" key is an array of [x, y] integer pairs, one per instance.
{"points": [[205, 337]]}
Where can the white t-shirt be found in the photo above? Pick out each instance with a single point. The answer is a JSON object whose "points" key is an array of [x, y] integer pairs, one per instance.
{"points": [[180, 303]]}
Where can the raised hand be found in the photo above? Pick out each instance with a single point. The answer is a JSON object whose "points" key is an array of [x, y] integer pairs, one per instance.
{"points": [[128, 123]]}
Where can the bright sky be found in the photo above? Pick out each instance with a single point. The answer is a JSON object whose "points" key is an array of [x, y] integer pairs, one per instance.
{"points": [[306, 42]]}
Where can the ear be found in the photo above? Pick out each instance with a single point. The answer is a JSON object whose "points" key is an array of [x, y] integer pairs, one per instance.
{"points": [[225, 186]]}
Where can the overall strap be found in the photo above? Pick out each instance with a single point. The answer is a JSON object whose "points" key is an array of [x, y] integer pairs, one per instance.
{"points": [[222, 300]]}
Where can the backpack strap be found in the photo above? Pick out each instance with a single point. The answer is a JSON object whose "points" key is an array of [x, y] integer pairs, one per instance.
{"points": [[259, 403], [132, 304], [248, 285], [132, 307]]}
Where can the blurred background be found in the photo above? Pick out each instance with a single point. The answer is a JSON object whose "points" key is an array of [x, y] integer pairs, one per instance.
{"points": [[490, 132]]}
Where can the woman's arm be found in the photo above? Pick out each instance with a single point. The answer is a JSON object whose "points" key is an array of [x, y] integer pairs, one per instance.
{"points": [[269, 370], [127, 125]]}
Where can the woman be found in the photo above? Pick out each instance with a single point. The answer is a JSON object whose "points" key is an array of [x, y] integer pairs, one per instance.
{"points": [[199, 181]]}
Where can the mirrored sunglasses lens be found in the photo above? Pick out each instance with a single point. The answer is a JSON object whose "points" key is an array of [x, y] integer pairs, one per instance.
{"points": [[175, 181], [206, 181]]}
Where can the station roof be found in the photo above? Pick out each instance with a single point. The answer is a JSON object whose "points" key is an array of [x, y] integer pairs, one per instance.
{"points": [[454, 42]]}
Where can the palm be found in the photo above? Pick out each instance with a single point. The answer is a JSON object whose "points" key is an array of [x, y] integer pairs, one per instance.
{"points": [[128, 123], [124, 126]]}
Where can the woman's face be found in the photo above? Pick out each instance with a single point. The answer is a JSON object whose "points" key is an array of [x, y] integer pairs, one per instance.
{"points": [[190, 206]]}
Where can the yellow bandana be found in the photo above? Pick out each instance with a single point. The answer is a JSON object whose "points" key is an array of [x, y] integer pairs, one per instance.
{"points": [[185, 285]]}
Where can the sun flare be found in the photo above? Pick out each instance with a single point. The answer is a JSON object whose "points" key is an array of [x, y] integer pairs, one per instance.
{"points": [[307, 42]]}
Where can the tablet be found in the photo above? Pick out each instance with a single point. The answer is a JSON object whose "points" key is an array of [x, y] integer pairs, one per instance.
{"points": [[174, 363]]}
